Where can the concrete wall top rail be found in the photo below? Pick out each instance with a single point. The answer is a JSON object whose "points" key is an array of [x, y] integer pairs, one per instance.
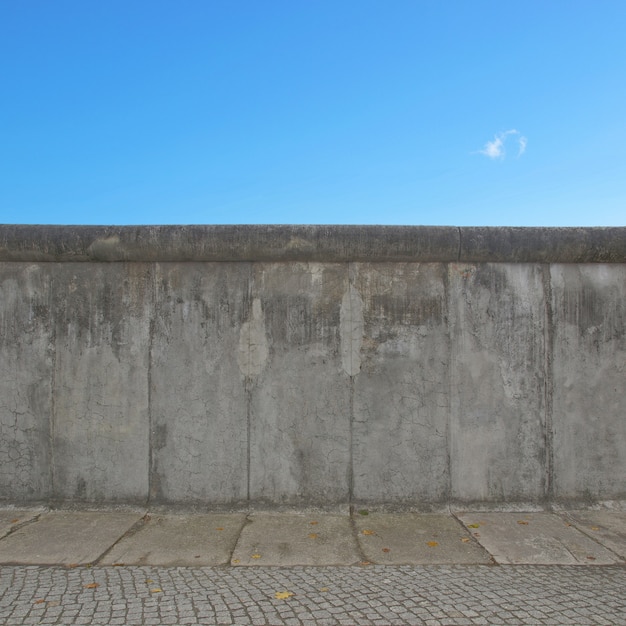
{"points": [[45, 243]]}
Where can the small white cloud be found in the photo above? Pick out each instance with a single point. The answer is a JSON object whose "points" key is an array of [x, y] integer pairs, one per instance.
{"points": [[496, 149]]}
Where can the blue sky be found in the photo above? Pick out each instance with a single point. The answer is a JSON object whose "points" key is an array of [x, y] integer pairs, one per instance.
{"points": [[313, 112]]}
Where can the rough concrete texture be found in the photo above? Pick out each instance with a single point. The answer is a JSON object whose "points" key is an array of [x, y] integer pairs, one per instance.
{"points": [[534, 538], [100, 421], [589, 375], [399, 539], [198, 431], [296, 539], [300, 398], [311, 243], [66, 538], [12, 519], [497, 382], [401, 394], [606, 527], [174, 540], [26, 375], [314, 538], [307, 373]]}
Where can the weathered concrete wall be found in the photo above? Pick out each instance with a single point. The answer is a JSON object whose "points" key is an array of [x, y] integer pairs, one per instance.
{"points": [[269, 365]]}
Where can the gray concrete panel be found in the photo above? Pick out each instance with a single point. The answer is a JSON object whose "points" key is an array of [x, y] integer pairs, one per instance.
{"points": [[296, 539], [589, 365], [12, 519], [199, 433], [68, 538], [497, 382], [101, 428], [535, 538], [26, 361], [401, 401], [179, 540], [299, 396], [605, 527], [412, 539]]}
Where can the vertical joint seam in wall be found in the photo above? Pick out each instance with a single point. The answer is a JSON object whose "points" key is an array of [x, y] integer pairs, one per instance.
{"points": [[548, 382], [446, 285], [151, 324], [458, 256], [248, 387], [53, 376], [351, 399]]}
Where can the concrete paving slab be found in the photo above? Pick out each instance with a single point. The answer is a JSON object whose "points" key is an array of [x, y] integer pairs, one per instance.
{"points": [[296, 539], [10, 519], [66, 538], [535, 538], [606, 527], [180, 540], [416, 539]]}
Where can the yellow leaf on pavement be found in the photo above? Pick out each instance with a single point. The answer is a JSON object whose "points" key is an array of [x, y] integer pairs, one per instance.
{"points": [[473, 525], [433, 544], [256, 556], [367, 532], [157, 590], [283, 595]]}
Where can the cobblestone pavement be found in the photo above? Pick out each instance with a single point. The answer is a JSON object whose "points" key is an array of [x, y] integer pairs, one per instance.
{"points": [[383, 595]]}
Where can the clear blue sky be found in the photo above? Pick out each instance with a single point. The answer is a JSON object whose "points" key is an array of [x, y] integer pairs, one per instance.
{"points": [[462, 112]]}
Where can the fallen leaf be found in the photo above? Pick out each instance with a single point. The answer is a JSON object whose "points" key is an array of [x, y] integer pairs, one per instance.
{"points": [[313, 523], [149, 580], [595, 528], [312, 535], [256, 556], [91, 586], [219, 528], [367, 532], [157, 590], [235, 561], [364, 563], [118, 564], [521, 522], [363, 512], [465, 539], [39, 601], [283, 595], [591, 558], [473, 525], [196, 556], [14, 521], [385, 550], [324, 589], [432, 544]]}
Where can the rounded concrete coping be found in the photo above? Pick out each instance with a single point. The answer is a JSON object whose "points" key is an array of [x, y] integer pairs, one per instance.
{"points": [[29, 243]]}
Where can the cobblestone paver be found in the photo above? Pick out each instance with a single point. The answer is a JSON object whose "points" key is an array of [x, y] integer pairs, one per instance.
{"points": [[381, 595]]}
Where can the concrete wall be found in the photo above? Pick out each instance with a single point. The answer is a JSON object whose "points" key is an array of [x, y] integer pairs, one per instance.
{"points": [[227, 366]]}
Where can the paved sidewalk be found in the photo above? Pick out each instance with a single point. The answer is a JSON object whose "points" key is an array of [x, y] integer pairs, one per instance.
{"points": [[133, 567]]}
